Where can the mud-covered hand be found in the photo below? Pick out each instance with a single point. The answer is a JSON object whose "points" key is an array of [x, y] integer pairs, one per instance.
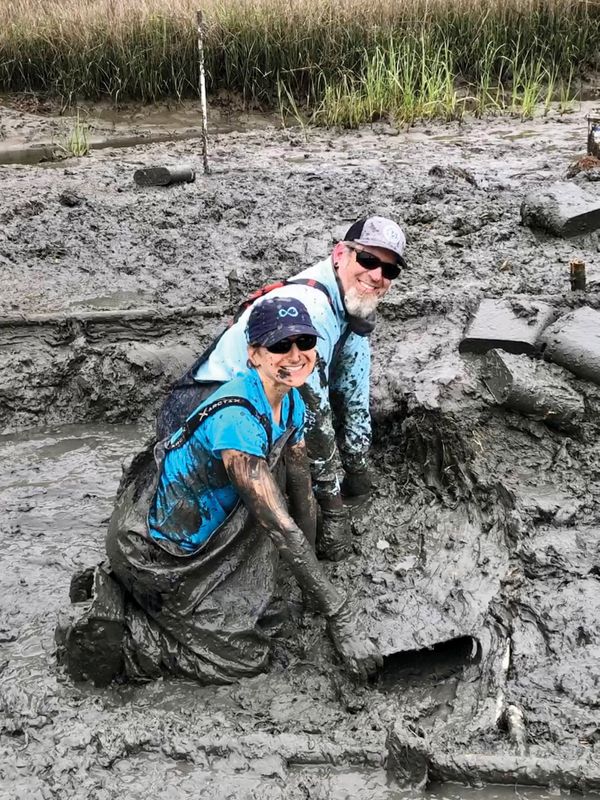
{"points": [[334, 535], [359, 653]]}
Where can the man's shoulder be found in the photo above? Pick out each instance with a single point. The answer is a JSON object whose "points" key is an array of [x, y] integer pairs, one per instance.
{"points": [[315, 287]]}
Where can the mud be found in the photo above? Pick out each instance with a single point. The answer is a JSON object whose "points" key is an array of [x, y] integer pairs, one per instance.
{"points": [[475, 562]]}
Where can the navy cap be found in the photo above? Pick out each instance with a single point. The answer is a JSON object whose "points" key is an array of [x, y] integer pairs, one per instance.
{"points": [[276, 318]]}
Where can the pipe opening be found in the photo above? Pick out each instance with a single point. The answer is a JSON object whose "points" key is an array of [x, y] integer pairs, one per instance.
{"points": [[430, 665]]}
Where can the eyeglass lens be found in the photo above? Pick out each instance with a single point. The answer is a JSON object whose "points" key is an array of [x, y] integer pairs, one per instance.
{"points": [[304, 342], [369, 261]]}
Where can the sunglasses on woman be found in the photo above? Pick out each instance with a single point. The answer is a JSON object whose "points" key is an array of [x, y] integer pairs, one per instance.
{"points": [[369, 261], [305, 341]]}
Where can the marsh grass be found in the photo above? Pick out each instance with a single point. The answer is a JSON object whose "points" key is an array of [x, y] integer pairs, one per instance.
{"points": [[76, 142], [333, 62]]}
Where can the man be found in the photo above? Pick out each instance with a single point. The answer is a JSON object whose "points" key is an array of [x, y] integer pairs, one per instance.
{"points": [[341, 295]]}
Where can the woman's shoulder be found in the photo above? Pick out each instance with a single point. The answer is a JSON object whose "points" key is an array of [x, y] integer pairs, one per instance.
{"points": [[242, 386]]}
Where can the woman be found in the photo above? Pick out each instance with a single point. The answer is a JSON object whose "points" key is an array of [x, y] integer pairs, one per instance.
{"points": [[195, 536]]}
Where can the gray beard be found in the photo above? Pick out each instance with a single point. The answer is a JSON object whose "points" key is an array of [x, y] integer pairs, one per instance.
{"points": [[359, 306]]}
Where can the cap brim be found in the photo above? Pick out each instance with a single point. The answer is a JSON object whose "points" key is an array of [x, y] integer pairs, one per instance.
{"points": [[385, 245], [292, 330]]}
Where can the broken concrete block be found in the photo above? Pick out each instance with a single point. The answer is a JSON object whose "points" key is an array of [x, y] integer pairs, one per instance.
{"points": [[512, 325], [534, 388], [573, 341], [563, 209]]}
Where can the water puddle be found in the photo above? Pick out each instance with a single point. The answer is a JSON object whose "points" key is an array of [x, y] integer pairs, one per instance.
{"points": [[513, 137], [42, 138]]}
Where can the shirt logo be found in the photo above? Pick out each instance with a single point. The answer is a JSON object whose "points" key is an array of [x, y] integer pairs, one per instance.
{"points": [[288, 312]]}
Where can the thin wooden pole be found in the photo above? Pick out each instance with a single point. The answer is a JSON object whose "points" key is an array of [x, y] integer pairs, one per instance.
{"points": [[200, 23]]}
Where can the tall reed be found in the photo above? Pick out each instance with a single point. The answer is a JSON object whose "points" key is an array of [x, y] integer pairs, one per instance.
{"points": [[342, 61]]}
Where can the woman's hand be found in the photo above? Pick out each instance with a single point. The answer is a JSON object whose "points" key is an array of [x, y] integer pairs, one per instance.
{"points": [[359, 653]]}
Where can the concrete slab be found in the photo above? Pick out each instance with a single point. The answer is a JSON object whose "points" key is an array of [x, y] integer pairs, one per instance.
{"points": [[513, 325], [573, 341], [534, 388], [563, 209]]}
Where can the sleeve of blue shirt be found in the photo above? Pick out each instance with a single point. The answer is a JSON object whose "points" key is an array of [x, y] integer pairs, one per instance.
{"points": [[350, 394], [235, 429]]}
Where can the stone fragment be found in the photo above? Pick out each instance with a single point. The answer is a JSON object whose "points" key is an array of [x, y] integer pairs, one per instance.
{"points": [[69, 199], [512, 325], [534, 388], [563, 209], [573, 341]]}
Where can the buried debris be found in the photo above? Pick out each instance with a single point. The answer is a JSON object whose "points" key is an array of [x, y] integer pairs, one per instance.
{"points": [[413, 760], [163, 176], [588, 166], [563, 209], [573, 341], [511, 325], [534, 388], [577, 275]]}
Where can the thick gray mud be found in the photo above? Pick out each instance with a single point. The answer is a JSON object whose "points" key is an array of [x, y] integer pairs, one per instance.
{"points": [[476, 561]]}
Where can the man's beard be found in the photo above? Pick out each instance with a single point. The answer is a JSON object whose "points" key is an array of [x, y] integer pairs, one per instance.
{"points": [[360, 305]]}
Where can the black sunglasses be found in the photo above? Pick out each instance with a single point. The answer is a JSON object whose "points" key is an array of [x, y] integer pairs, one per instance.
{"points": [[369, 261], [304, 342]]}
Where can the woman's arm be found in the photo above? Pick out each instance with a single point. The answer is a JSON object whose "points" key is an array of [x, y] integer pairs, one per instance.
{"points": [[253, 480], [303, 506]]}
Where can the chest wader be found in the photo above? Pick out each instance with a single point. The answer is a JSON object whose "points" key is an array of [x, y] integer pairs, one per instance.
{"points": [[185, 614], [187, 393]]}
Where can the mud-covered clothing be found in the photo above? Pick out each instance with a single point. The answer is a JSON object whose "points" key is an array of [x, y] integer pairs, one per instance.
{"points": [[194, 495], [341, 377], [198, 615]]}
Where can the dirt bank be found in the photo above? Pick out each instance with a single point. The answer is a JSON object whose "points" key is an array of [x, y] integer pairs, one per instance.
{"points": [[483, 530]]}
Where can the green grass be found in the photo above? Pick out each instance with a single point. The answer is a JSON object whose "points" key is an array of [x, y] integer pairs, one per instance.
{"points": [[337, 62]]}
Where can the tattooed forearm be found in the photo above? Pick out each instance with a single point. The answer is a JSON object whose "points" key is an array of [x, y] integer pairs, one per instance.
{"points": [[253, 480]]}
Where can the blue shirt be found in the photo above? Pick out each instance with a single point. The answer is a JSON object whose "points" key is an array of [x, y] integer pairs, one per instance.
{"points": [[342, 372], [194, 494]]}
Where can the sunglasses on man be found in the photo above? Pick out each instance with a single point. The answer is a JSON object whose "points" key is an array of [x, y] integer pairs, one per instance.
{"points": [[305, 341], [369, 261]]}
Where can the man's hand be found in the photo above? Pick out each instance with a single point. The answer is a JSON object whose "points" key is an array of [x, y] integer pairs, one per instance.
{"points": [[334, 535], [360, 655], [357, 484]]}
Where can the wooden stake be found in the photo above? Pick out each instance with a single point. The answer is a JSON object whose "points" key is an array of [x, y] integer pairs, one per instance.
{"points": [[200, 23]]}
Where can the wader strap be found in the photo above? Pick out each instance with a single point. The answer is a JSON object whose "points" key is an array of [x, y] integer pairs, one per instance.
{"points": [[192, 423], [290, 411], [279, 285], [313, 284]]}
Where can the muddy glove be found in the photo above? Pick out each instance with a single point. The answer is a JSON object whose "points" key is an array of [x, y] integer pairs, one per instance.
{"points": [[334, 536], [357, 484], [359, 653]]}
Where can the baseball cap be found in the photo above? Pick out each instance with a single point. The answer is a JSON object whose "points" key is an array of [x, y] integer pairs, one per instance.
{"points": [[379, 232], [276, 318]]}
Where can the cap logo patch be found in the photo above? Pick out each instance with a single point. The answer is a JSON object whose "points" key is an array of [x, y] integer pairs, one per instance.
{"points": [[288, 312]]}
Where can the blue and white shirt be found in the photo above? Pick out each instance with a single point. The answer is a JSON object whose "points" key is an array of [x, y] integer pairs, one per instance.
{"points": [[342, 373], [194, 494]]}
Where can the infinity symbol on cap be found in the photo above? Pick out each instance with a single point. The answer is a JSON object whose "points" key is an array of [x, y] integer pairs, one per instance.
{"points": [[288, 312]]}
